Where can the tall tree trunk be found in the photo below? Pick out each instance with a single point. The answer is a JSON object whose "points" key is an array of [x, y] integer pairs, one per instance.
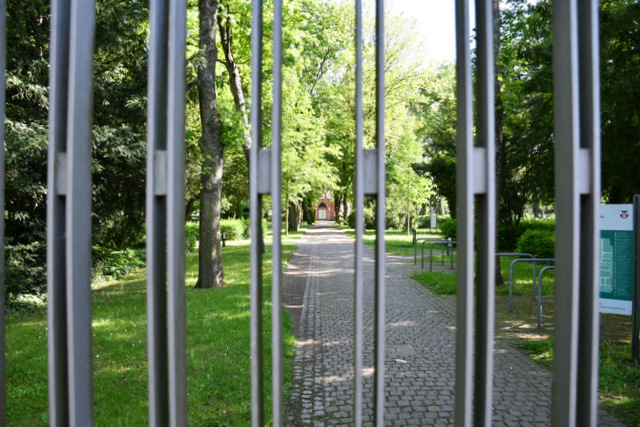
{"points": [[293, 213], [210, 273], [235, 82]]}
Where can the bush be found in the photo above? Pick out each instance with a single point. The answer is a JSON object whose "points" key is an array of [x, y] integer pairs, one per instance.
{"points": [[539, 243], [191, 235], [509, 235], [236, 229], [25, 269], [449, 229], [369, 219], [109, 263]]}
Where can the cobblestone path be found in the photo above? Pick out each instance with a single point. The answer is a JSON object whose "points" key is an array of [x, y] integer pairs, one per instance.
{"points": [[420, 346]]}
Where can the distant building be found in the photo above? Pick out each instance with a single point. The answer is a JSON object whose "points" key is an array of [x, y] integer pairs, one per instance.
{"points": [[324, 208]]}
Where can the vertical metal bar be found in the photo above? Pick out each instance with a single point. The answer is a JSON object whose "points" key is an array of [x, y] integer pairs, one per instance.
{"points": [[464, 300], [56, 217], [358, 293], [486, 204], [257, 362], [276, 205], [576, 114], [156, 216], [78, 224], [176, 295], [69, 214], [380, 268], [3, 377], [567, 217], [589, 326], [166, 297]]}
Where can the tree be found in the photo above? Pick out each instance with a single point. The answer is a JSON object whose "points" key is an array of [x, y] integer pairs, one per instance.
{"points": [[210, 273], [436, 113], [118, 134], [620, 87]]}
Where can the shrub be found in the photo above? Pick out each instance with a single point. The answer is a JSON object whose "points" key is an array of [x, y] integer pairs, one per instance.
{"points": [[449, 229], [236, 229], [539, 243], [369, 219], [509, 235], [25, 269], [109, 263], [191, 235]]}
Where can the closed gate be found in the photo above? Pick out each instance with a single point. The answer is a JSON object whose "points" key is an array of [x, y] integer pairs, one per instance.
{"points": [[576, 92]]}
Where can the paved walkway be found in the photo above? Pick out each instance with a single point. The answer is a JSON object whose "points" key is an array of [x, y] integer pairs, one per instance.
{"points": [[420, 346]]}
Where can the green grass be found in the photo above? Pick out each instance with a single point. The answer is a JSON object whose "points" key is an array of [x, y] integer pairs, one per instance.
{"points": [[620, 381], [219, 373], [397, 242]]}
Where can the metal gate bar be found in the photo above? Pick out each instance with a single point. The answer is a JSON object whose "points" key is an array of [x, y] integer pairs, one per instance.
{"points": [[380, 251], [577, 134], [276, 223], [265, 178], [255, 212], [166, 297], [3, 371], [358, 194], [69, 213], [476, 190], [370, 180]]}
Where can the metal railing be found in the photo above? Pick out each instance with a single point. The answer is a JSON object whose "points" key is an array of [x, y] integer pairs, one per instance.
{"points": [[535, 262]]}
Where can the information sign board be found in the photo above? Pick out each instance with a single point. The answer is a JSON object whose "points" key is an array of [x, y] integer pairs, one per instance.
{"points": [[616, 259]]}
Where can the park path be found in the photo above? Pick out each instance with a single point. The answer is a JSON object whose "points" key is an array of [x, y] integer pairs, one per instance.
{"points": [[420, 346]]}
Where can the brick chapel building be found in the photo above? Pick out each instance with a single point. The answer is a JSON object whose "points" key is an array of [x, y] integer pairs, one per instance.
{"points": [[325, 210]]}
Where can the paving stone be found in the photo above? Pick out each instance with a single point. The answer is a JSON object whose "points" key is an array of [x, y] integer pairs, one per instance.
{"points": [[420, 346]]}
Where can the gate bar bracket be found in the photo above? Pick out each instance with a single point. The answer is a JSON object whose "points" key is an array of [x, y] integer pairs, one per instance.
{"points": [[264, 171], [370, 170], [584, 171], [480, 170]]}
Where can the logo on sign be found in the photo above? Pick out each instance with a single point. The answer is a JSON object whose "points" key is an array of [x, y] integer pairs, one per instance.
{"points": [[624, 214]]}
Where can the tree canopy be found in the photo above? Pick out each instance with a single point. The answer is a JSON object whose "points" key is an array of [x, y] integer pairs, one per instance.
{"points": [[318, 116]]}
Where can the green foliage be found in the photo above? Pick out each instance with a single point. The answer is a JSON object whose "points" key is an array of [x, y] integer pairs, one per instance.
{"points": [[539, 243], [236, 229], [369, 219], [509, 234], [436, 127], [110, 263], [449, 228], [620, 85], [191, 234], [118, 133], [24, 269]]}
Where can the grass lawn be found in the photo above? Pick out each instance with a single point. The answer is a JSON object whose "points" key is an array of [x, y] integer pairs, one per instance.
{"points": [[219, 372]]}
